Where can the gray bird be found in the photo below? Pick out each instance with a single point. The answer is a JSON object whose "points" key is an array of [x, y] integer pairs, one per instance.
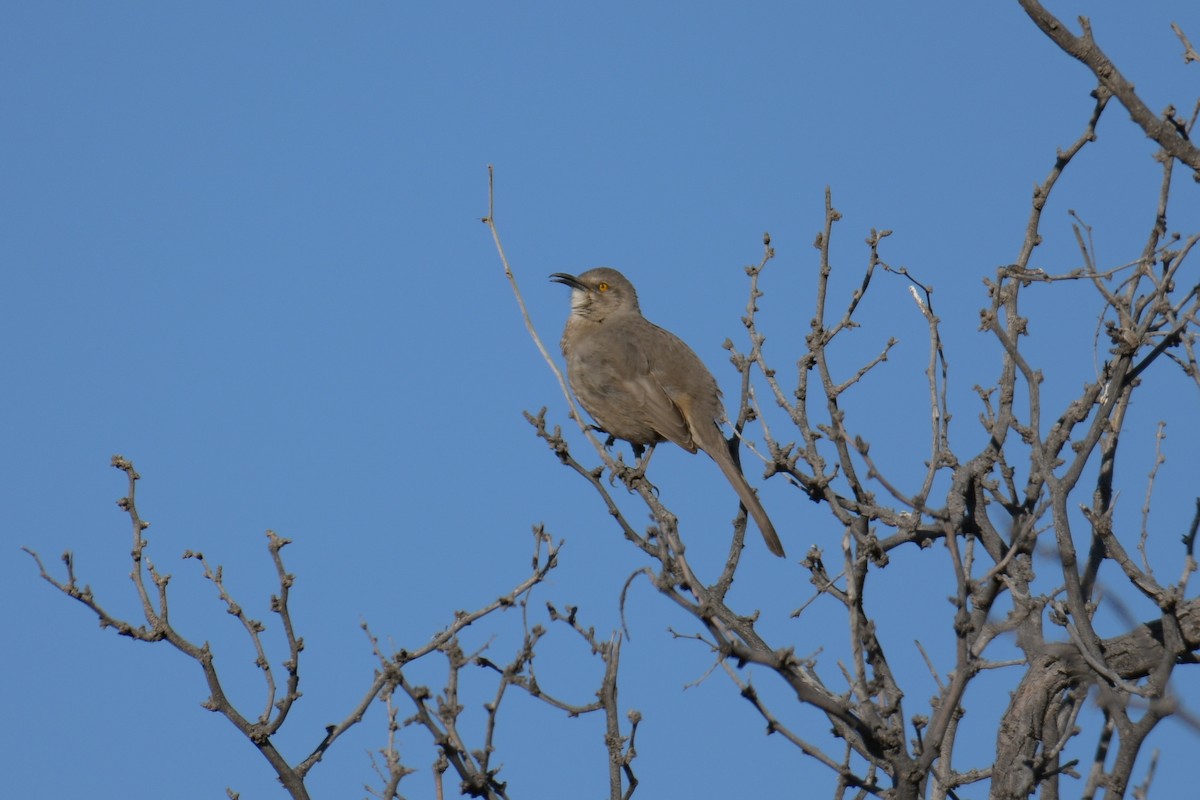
{"points": [[642, 383]]}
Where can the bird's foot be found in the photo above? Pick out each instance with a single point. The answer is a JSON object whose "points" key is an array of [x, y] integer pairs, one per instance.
{"points": [[632, 476]]}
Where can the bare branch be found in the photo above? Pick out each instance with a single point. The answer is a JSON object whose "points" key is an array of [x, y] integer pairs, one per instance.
{"points": [[1085, 49]]}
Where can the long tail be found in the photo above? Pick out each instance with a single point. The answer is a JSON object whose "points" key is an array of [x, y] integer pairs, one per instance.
{"points": [[719, 452]]}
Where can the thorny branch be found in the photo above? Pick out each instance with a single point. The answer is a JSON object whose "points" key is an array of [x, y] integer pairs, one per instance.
{"points": [[158, 628], [1165, 131], [478, 777], [440, 713]]}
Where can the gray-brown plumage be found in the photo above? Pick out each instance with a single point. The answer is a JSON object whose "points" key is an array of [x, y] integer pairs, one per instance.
{"points": [[642, 383]]}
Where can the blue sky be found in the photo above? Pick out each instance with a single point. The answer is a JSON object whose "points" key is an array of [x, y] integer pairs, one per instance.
{"points": [[242, 247]]}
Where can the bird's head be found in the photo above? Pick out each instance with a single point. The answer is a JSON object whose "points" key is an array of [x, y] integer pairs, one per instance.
{"points": [[599, 293]]}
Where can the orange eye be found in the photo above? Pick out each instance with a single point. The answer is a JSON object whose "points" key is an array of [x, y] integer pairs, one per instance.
{"points": [[602, 286]]}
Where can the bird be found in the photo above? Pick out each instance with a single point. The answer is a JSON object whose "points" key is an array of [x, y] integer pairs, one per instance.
{"points": [[642, 384]]}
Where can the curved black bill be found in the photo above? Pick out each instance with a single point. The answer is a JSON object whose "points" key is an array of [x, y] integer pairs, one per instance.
{"points": [[567, 280]]}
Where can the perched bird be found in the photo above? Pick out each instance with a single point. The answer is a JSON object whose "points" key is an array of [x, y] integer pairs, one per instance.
{"points": [[642, 383]]}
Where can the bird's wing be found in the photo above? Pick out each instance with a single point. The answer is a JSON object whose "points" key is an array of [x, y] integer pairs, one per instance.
{"points": [[653, 401], [663, 413], [642, 394], [687, 384]]}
